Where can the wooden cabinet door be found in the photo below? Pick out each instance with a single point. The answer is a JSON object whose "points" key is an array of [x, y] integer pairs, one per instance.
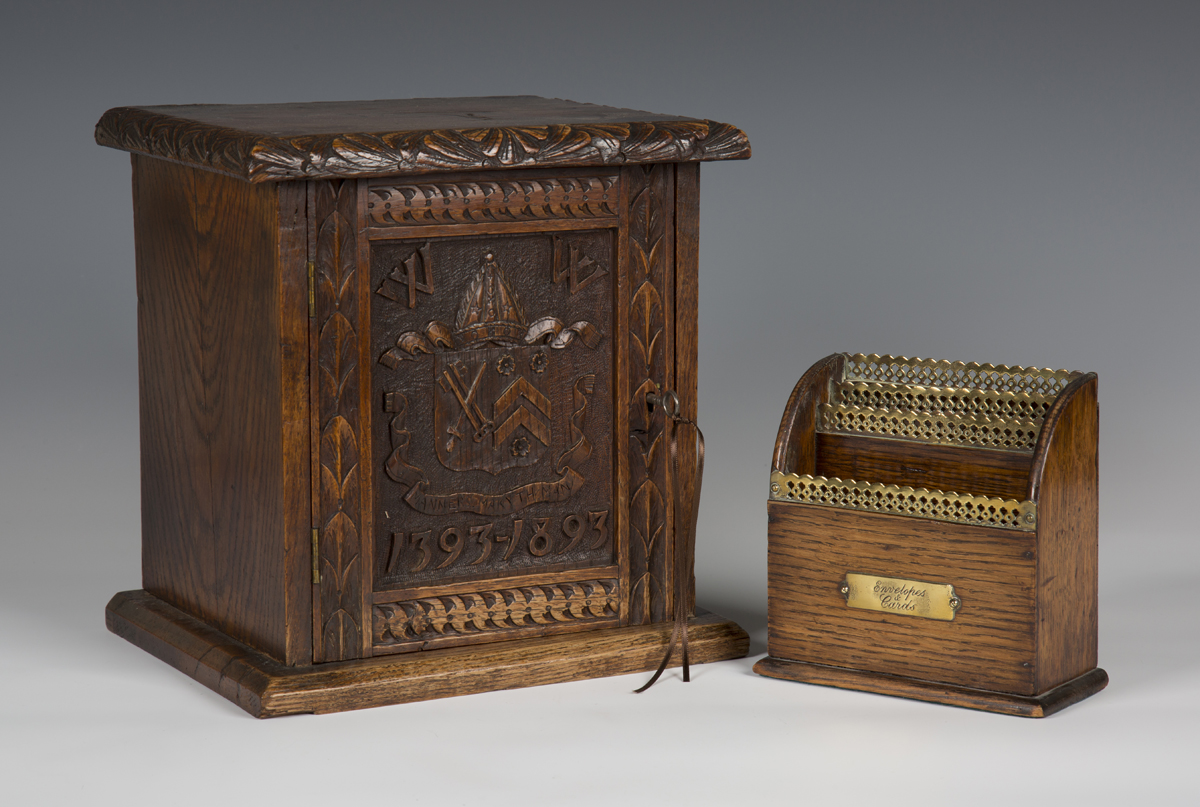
{"points": [[485, 466]]}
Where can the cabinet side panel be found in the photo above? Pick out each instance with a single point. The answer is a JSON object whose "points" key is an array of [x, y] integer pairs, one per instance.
{"points": [[988, 645], [687, 303], [1068, 534], [179, 561], [209, 379]]}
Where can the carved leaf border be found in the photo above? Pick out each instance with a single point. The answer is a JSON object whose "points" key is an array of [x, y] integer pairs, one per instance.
{"points": [[495, 611], [648, 362], [339, 558], [416, 204]]}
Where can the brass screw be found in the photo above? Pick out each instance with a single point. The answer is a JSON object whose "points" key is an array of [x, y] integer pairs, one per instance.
{"points": [[1029, 518], [955, 602], [774, 487], [845, 589]]}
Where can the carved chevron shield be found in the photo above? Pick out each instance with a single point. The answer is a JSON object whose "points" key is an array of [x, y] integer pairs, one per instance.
{"points": [[492, 408]]}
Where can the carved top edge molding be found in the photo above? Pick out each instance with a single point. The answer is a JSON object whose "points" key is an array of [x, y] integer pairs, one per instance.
{"points": [[968, 375], [873, 497], [265, 158]]}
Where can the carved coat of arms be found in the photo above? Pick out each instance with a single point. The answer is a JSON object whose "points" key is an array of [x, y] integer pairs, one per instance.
{"points": [[493, 401]]}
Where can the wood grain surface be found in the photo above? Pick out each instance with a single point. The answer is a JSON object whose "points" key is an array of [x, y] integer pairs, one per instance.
{"points": [[687, 342], [796, 443], [265, 688], [210, 380], [1068, 537], [990, 643], [978, 472], [294, 383]]}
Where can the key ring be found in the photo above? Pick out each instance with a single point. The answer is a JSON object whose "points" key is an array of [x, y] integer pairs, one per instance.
{"points": [[668, 400]]}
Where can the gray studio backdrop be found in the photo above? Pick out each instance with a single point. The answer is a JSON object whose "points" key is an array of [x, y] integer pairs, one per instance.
{"points": [[997, 182]]}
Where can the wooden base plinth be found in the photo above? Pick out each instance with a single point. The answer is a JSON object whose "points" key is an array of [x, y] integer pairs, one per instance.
{"points": [[1043, 705], [266, 688]]}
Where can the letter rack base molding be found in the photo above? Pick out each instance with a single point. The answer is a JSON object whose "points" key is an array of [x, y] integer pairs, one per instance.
{"points": [[932, 534], [266, 688], [393, 363], [1006, 703]]}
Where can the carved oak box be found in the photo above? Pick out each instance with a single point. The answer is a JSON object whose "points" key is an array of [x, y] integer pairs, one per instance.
{"points": [[932, 533], [394, 361]]}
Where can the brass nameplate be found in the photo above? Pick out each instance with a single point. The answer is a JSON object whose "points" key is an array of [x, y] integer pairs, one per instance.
{"points": [[895, 596]]}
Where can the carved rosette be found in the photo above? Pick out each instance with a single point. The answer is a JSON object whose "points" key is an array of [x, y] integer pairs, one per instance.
{"points": [[339, 561], [494, 612], [263, 158], [649, 549]]}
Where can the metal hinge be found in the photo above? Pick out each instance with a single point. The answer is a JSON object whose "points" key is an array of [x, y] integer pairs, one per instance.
{"points": [[316, 570], [312, 290]]}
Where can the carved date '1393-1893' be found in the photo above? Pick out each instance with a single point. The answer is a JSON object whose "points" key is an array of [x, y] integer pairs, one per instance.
{"points": [[450, 545]]}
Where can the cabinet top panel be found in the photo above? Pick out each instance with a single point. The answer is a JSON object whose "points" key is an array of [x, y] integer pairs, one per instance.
{"points": [[272, 142]]}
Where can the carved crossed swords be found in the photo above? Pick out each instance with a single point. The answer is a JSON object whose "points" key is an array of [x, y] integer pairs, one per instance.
{"points": [[454, 384]]}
